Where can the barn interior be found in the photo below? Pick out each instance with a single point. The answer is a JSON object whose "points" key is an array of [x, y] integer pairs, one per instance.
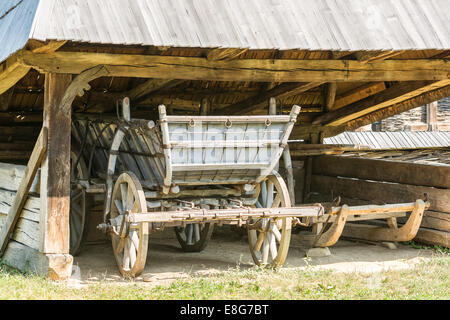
{"points": [[338, 90]]}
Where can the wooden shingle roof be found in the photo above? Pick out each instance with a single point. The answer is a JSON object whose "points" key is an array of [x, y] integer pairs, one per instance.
{"points": [[347, 25]]}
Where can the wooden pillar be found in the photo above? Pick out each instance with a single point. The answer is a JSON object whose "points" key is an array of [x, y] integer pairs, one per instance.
{"points": [[54, 229], [432, 116], [205, 107], [330, 96]]}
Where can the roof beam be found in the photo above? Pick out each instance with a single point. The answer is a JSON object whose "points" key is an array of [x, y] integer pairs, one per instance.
{"points": [[224, 54], [371, 56], [358, 93], [37, 46], [11, 71], [420, 100], [282, 91], [395, 94], [257, 70], [150, 86]]}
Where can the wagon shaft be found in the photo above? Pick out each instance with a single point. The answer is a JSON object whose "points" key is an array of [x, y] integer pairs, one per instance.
{"points": [[214, 215]]}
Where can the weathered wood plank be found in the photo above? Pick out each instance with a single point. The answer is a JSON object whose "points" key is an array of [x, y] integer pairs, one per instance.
{"points": [[26, 259], [11, 175], [30, 210], [259, 70], [379, 191], [24, 187], [25, 232], [384, 170]]}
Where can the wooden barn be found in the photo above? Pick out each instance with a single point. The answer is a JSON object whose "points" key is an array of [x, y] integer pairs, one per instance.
{"points": [[345, 63]]}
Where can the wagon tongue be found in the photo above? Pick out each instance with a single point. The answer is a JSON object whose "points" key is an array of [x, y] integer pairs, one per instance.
{"points": [[237, 214]]}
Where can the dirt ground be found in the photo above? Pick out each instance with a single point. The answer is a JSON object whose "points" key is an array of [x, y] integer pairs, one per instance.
{"points": [[228, 249]]}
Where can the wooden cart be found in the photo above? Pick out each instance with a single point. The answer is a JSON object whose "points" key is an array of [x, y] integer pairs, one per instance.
{"points": [[191, 172]]}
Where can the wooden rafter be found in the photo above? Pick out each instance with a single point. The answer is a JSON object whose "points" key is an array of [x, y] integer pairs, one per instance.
{"points": [[282, 91], [224, 54], [258, 70], [372, 56], [422, 99], [395, 94], [151, 86], [12, 70], [359, 93]]}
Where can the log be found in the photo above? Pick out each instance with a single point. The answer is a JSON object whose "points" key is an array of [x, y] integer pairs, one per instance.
{"points": [[381, 191], [429, 236], [434, 220], [26, 259], [384, 170]]}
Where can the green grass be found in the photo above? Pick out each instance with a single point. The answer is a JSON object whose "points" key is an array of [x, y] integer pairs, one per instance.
{"points": [[427, 280]]}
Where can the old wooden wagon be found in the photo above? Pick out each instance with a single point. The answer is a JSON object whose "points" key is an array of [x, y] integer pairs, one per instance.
{"points": [[66, 66], [191, 172]]}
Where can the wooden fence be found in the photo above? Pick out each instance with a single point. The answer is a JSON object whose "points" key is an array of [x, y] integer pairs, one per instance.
{"points": [[385, 181]]}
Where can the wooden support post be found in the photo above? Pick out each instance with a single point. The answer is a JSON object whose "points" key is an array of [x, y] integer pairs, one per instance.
{"points": [[55, 177], [205, 107], [432, 116], [315, 138], [330, 96]]}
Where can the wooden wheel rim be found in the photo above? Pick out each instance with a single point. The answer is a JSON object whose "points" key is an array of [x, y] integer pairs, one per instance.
{"points": [[77, 217], [268, 254], [129, 188]]}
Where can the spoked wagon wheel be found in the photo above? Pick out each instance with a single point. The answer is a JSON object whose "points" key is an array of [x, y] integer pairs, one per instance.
{"points": [[78, 202], [269, 237], [130, 245], [194, 237]]}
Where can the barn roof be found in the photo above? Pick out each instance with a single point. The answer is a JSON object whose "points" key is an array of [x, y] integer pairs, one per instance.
{"points": [[347, 25]]}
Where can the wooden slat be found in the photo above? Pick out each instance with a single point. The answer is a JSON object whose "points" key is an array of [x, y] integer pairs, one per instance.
{"points": [[22, 192]]}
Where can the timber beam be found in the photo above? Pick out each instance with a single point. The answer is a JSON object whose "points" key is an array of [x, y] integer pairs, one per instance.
{"points": [[257, 70], [11, 71], [282, 91], [395, 94], [422, 99]]}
